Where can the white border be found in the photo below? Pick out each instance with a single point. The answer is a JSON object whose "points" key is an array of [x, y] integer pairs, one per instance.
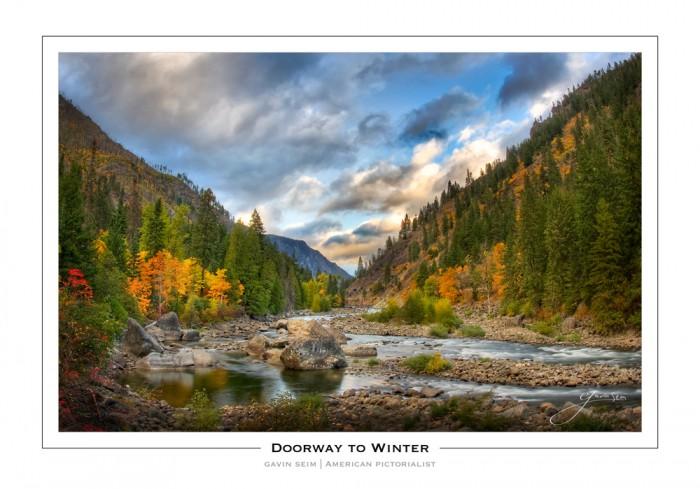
{"points": [[52, 46]]}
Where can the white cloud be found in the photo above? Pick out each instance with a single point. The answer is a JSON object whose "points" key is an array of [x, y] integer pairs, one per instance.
{"points": [[425, 153]]}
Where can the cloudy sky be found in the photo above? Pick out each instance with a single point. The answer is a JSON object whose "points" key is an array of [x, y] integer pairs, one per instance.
{"points": [[330, 148]]}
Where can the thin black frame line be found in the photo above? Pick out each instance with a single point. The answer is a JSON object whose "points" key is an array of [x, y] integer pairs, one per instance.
{"points": [[355, 36]]}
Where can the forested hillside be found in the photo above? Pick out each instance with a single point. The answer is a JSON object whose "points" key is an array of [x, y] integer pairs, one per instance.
{"points": [[554, 228], [136, 241]]}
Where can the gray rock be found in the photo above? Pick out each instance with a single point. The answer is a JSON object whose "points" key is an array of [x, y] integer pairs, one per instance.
{"points": [[428, 391], [569, 324], [278, 342], [203, 358], [516, 412], [256, 346], [190, 335], [186, 357], [179, 359], [360, 350], [313, 354], [138, 342], [281, 324], [169, 322]]}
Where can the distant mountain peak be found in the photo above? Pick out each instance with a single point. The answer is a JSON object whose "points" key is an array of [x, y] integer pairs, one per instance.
{"points": [[309, 258]]}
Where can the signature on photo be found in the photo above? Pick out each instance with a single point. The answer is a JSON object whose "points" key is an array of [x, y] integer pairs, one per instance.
{"points": [[588, 398]]}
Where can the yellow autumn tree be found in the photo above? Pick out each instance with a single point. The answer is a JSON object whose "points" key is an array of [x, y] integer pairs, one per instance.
{"points": [[217, 285]]}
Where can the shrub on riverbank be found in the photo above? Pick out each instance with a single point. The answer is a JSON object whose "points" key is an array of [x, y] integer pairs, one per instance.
{"points": [[472, 413], [420, 309], [439, 331], [472, 331], [309, 412], [427, 364], [203, 414]]}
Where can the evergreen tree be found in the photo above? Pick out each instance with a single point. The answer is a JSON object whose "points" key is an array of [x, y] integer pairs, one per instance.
{"points": [[256, 223], [116, 236], [205, 231], [75, 244], [153, 229]]}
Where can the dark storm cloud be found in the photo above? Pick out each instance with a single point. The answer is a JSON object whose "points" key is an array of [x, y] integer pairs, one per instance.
{"points": [[531, 74], [386, 65], [431, 120], [369, 189], [372, 229], [365, 233], [257, 117], [374, 128], [313, 228]]}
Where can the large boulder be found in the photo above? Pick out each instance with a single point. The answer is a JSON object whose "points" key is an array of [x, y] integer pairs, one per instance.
{"points": [[186, 357], [311, 347], [256, 346], [301, 328], [313, 354], [138, 342], [169, 324], [360, 350]]}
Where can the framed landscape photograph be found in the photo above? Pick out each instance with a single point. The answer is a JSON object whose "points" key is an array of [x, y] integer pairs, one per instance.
{"points": [[306, 245]]}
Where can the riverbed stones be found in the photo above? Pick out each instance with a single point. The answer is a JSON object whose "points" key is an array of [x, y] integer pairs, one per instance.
{"points": [[360, 350], [138, 342], [281, 324]]}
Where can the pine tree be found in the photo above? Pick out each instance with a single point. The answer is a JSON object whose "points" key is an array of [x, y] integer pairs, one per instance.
{"points": [[607, 277], [153, 229], [116, 237], [75, 249], [205, 231], [360, 268], [256, 223]]}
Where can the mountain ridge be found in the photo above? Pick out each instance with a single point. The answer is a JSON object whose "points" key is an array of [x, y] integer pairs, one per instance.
{"points": [[307, 257]]}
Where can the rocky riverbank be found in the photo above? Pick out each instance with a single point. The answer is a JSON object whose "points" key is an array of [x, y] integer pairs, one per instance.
{"points": [[526, 373], [502, 328], [374, 411]]}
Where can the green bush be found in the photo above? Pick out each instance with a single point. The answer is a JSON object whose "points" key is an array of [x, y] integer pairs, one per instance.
{"points": [[413, 311], [549, 327], [372, 362], [472, 331], [309, 412], [439, 331], [86, 331], [384, 315], [445, 316], [427, 364], [543, 327], [203, 414]]}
